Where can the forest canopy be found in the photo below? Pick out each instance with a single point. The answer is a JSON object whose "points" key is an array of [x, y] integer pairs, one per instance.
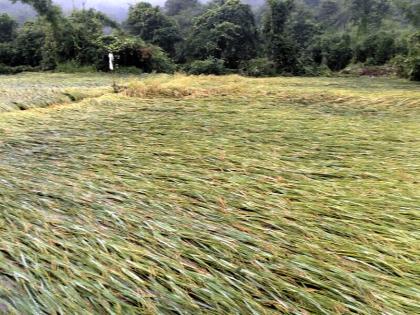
{"points": [[256, 38]]}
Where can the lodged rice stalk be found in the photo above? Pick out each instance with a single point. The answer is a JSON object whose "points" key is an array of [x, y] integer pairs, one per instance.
{"points": [[276, 196]]}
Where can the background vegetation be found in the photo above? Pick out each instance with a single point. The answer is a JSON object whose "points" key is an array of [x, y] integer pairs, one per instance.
{"points": [[297, 37]]}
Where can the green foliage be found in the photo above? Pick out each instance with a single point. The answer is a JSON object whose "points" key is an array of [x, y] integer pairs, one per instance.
{"points": [[414, 73], [411, 10], [183, 12], [414, 57], [408, 65], [177, 7], [7, 53], [225, 31], [328, 13], [45, 8], [402, 65], [302, 28], [259, 67], [7, 28], [29, 44], [83, 28], [19, 11], [208, 66], [133, 52], [299, 37], [49, 51], [127, 70], [73, 67], [368, 14], [377, 48], [281, 47], [4, 69], [334, 51], [150, 24]]}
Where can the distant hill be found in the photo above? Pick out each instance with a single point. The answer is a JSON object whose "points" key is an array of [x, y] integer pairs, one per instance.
{"points": [[20, 12], [116, 9]]}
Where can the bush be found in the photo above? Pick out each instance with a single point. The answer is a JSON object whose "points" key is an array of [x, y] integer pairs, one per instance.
{"points": [[414, 60], [133, 52], [208, 66], [74, 67], [14, 70], [259, 67], [414, 73], [401, 65], [7, 53], [409, 66], [334, 51], [128, 70], [313, 70], [378, 49]]}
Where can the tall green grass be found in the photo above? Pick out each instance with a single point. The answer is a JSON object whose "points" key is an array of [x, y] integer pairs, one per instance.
{"points": [[271, 196]]}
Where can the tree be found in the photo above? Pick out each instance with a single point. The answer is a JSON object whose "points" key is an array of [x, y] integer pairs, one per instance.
{"points": [[368, 14], [83, 28], [328, 12], [52, 14], [29, 44], [183, 12], [376, 48], [133, 52], [414, 57], [7, 28], [280, 46], [44, 8], [333, 50], [302, 28], [225, 31], [176, 7], [411, 10], [151, 25]]}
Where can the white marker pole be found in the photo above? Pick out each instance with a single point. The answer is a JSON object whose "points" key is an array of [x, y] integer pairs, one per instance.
{"points": [[111, 61]]}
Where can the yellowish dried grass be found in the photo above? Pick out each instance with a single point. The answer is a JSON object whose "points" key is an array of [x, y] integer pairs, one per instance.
{"points": [[182, 86]]}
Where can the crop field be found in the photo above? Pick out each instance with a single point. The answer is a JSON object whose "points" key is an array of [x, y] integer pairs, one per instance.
{"points": [[27, 91], [209, 195]]}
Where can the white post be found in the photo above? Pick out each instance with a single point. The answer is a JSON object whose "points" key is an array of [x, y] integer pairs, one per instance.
{"points": [[111, 61]]}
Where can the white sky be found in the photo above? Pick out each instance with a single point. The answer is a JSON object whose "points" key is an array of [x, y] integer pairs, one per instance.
{"points": [[95, 3]]}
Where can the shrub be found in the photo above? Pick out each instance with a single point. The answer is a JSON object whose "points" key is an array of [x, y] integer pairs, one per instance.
{"points": [[334, 51], [377, 49], [208, 66], [409, 66], [128, 70], [7, 53], [414, 60], [14, 70], [133, 52], [414, 73], [259, 67], [401, 65], [74, 67]]}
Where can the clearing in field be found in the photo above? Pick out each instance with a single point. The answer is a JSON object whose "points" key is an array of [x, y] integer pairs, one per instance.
{"points": [[209, 195]]}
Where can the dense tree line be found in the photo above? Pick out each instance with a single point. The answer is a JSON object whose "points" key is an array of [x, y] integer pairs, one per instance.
{"points": [[296, 37]]}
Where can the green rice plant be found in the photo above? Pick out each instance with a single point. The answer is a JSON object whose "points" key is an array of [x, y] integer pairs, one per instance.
{"points": [[246, 196]]}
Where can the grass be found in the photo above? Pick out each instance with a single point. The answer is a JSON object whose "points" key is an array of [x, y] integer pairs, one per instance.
{"points": [[205, 195], [33, 90]]}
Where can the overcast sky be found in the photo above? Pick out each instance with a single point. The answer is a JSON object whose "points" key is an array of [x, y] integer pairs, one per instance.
{"points": [[116, 9], [96, 3]]}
